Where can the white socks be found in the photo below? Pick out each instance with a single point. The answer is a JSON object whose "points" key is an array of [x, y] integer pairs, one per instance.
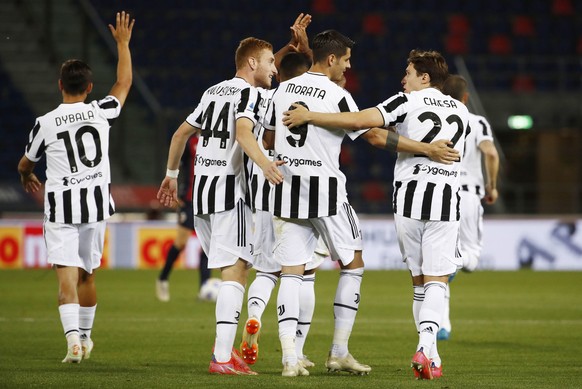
{"points": [[70, 320], [288, 314], [86, 318], [228, 309], [417, 300], [260, 293], [431, 314], [345, 308], [306, 308], [446, 322]]}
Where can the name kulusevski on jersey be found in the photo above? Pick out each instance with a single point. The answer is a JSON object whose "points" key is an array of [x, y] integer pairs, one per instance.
{"points": [[75, 139], [471, 168], [313, 184], [424, 189], [221, 167]]}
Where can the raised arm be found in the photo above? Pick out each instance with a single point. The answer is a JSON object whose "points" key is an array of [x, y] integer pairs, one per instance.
{"points": [[298, 41], [122, 35]]}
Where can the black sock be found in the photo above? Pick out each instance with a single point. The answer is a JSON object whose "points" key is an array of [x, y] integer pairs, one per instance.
{"points": [[170, 259]]}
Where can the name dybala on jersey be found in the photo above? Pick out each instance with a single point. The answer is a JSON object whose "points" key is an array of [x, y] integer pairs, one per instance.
{"points": [[222, 168], [75, 139], [471, 169], [313, 184], [424, 189]]}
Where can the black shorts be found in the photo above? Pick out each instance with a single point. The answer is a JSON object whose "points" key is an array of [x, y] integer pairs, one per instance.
{"points": [[186, 215]]}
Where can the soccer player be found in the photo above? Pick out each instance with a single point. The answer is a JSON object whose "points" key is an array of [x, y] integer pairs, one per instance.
{"points": [[185, 224], [74, 137], [425, 200], [225, 118], [479, 148], [268, 268]]}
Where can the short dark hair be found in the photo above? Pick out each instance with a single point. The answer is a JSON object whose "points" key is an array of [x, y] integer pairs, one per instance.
{"points": [[330, 42], [293, 64], [432, 63], [75, 76], [455, 86]]}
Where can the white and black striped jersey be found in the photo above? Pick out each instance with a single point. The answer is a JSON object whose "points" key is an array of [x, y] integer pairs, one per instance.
{"points": [[313, 184], [222, 168], [259, 187], [424, 189], [471, 168], [75, 139]]}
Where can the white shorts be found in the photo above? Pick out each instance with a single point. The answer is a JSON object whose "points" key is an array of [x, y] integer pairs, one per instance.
{"points": [[263, 259], [263, 256], [296, 239], [428, 247], [470, 235], [226, 236], [75, 245]]}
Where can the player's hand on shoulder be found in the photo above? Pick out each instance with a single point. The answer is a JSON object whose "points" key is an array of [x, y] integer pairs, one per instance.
{"points": [[296, 116], [443, 152]]}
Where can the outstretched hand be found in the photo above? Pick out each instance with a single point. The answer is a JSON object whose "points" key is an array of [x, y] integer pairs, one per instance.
{"points": [[123, 27], [442, 151], [296, 116]]}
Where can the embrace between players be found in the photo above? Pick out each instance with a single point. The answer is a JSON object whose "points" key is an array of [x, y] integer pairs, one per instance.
{"points": [[253, 209]]}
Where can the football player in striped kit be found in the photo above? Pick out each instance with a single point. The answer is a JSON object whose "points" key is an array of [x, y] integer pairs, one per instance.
{"points": [[267, 267], [425, 200], [74, 137], [225, 117], [479, 148]]}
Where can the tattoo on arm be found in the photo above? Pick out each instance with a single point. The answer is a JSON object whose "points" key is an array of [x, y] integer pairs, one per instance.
{"points": [[392, 141]]}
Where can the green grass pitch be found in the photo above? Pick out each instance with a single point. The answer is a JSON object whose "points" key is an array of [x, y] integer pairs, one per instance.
{"points": [[510, 330]]}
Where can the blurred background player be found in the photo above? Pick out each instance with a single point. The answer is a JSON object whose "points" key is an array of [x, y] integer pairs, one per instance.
{"points": [[480, 151], [185, 224], [74, 137], [225, 118]]}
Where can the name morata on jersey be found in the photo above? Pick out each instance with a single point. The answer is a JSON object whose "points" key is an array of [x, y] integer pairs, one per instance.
{"points": [[313, 184]]}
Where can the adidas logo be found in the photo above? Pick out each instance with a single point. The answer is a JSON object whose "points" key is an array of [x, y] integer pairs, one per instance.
{"points": [[429, 330]]}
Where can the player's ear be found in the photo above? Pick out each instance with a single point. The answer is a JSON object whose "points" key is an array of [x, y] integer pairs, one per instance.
{"points": [[425, 78], [331, 59], [89, 88], [60, 85], [252, 61]]}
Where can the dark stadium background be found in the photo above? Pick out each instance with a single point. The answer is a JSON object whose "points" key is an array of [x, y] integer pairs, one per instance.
{"points": [[524, 57]]}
